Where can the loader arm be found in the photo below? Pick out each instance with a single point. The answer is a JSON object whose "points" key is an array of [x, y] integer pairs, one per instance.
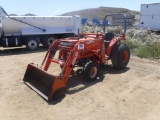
{"points": [[50, 86], [50, 54], [70, 62]]}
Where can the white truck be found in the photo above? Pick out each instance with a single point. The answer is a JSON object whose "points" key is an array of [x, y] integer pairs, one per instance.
{"points": [[33, 30], [150, 16]]}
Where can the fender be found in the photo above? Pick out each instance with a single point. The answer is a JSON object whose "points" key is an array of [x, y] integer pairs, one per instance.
{"points": [[113, 42]]}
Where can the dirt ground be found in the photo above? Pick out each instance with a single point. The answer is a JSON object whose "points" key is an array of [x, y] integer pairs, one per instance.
{"points": [[129, 94]]}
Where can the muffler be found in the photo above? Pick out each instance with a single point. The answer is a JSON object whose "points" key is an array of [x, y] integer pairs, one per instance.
{"points": [[48, 86]]}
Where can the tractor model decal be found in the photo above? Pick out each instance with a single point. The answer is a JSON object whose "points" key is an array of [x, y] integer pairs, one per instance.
{"points": [[75, 57], [80, 46]]}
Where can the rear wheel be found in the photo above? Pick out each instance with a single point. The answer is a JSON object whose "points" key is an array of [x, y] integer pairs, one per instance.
{"points": [[48, 40], [120, 56], [90, 71], [32, 44]]}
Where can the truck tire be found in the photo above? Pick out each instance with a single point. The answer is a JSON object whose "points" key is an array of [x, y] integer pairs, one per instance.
{"points": [[32, 44], [48, 40], [120, 56], [90, 71]]}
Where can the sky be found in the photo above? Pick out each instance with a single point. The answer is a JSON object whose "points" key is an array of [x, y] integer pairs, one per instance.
{"points": [[58, 7]]}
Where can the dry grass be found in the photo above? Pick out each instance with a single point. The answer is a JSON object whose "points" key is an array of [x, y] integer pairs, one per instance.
{"points": [[142, 36]]}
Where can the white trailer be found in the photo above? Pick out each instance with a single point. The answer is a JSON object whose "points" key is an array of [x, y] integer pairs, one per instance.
{"points": [[32, 30], [150, 16]]}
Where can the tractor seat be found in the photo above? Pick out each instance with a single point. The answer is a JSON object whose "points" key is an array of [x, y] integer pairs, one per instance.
{"points": [[107, 38]]}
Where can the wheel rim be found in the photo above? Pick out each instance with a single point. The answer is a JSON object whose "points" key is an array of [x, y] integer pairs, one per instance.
{"points": [[124, 57], [32, 44], [50, 41], [93, 72]]}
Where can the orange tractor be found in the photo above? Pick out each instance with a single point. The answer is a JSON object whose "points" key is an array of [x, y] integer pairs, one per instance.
{"points": [[88, 50]]}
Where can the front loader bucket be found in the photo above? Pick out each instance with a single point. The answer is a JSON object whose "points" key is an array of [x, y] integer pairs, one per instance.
{"points": [[46, 85]]}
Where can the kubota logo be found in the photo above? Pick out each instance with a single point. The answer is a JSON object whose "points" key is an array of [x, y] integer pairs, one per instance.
{"points": [[75, 57]]}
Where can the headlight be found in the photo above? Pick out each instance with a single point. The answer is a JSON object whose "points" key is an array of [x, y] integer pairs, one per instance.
{"points": [[70, 44]]}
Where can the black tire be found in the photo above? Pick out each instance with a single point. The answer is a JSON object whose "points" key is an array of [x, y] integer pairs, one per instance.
{"points": [[90, 71], [32, 44], [120, 56], [48, 40]]}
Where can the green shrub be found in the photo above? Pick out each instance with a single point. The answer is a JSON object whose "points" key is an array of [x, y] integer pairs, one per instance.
{"points": [[131, 44], [150, 51], [143, 52]]}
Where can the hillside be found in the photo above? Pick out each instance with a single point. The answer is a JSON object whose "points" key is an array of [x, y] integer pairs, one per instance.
{"points": [[101, 12]]}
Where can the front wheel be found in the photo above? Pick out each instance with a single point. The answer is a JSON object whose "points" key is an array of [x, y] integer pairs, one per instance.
{"points": [[120, 56], [32, 44], [90, 71]]}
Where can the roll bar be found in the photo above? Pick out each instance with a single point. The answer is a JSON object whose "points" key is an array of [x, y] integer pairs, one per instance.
{"points": [[111, 15]]}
